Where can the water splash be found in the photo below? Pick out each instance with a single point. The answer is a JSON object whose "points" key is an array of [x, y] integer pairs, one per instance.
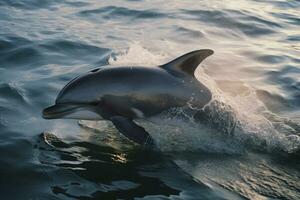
{"points": [[253, 128], [136, 54]]}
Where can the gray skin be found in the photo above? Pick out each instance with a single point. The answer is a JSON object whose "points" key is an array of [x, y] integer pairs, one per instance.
{"points": [[124, 93]]}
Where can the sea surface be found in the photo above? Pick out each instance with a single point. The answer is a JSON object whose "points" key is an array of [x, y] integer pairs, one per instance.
{"points": [[248, 149]]}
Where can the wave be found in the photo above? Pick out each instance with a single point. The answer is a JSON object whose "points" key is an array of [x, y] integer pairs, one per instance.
{"points": [[231, 19], [74, 51], [108, 12], [29, 5], [11, 92], [23, 53], [185, 32], [18, 51], [287, 78]]}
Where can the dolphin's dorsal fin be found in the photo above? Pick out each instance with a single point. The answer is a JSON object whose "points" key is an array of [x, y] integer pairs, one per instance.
{"points": [[187, 63]]}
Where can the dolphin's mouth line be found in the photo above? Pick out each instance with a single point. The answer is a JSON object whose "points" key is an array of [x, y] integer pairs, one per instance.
{"points": [[60, 110]]}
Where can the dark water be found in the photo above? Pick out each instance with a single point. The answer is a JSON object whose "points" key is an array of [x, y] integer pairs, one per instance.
{"points": [[254, 75]]}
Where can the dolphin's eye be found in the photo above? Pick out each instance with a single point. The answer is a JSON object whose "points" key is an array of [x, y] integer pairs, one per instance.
{"points": [[95, 70]]}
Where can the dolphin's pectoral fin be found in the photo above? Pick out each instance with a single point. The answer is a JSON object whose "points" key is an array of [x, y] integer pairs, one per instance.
{"points": [[131, 130], [125, 125], [187, 63]]}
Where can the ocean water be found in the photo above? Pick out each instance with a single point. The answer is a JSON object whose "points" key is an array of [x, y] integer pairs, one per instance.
{"points": [[249, 147]]}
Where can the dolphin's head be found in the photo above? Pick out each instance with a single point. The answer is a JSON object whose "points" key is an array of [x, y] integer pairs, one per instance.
{"points": [[77, 100]]}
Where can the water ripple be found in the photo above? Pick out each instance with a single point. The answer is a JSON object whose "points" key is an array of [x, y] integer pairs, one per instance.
{"points": [[32, 4], [115, 12], [74, 50], [11, 92], [250, 25]]}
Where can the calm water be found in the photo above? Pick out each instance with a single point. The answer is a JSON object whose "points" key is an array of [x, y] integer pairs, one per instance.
{"points": [[254, 75]]}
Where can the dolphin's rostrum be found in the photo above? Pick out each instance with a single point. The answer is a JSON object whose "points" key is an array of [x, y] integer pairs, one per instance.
{"points": [[124, 93]]}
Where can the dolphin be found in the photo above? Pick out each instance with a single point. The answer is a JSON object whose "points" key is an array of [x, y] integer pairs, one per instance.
{"points": [[122, 94]]}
